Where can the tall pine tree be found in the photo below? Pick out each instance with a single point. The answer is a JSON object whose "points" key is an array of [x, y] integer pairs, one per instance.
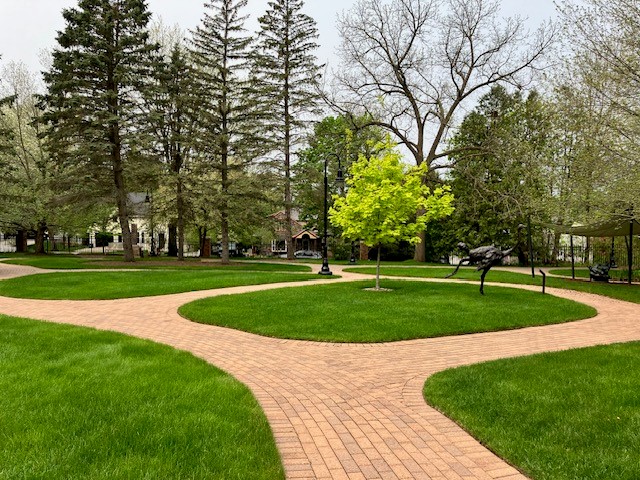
{"points": [[288, 74], [101, 65], [229, 114], [172, 104]]}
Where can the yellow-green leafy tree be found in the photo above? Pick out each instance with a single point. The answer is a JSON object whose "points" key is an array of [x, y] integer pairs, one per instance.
{"points": [[383, 200]]}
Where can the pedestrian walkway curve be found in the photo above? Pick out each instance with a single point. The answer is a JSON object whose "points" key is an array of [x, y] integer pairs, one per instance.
{"points": [[345, 411]]}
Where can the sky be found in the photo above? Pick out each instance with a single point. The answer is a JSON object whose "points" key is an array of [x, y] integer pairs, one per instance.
{"points": [[28, 27]]}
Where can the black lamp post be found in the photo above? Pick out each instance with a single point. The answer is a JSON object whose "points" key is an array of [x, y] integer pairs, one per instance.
{"points": [[340, 180]]}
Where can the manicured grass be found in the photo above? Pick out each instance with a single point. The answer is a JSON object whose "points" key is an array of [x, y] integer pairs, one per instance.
{"points": [[52, 261], [464, 273], [348, 313], [629, 293], [78, 403], [580, 272], [110, 285], [73, 262], [619, 274], [556, 416], [370, 263]]}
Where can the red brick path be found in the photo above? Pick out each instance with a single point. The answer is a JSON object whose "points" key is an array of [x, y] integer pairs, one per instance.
{"points": [[343, 411]]}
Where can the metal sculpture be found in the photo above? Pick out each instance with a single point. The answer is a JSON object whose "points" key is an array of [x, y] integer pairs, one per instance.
{"points": [[485, 257], [599, 272]]}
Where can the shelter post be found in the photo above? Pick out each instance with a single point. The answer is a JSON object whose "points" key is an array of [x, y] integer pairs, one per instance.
{"points": [[630, 253], [573, 260], [533, 272]]}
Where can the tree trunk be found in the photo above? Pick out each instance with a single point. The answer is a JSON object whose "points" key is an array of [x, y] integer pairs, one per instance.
{"points": [[556, 248], [116, 159], [224, 211], [52, 240], [121, 194], [202, 235], [378, 268], [419, 253], [180, 226], [21, 241], [172, 242], [522, 257], [224, 234], [123, 217], [181, 239], [40, 233], [287, 166]]}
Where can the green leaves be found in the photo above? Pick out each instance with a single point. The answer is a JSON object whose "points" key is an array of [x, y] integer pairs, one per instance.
{"points": [[499, 176], [94, 88], [388, 202]]}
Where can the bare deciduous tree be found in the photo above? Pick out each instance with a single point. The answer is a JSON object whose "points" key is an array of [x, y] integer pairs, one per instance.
{"points": [[411, 64], [604, 67]]}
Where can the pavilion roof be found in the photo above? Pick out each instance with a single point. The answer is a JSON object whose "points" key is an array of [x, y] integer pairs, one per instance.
{"points": [[613, 228]]}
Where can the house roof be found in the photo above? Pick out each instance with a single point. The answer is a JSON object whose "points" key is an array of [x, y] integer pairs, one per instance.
{"points": [[299, 235]]}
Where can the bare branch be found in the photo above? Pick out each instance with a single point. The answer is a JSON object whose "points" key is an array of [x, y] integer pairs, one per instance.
{"points": [[411, 64]]}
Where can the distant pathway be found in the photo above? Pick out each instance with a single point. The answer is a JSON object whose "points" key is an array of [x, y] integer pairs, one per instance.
{"points": [[345, 411]]}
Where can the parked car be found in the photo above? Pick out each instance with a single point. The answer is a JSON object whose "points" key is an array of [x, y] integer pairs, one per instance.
{"points": [[307, 254]]}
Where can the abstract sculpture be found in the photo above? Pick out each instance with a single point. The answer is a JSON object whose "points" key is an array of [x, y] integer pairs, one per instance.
{"points": [[485, 257]]}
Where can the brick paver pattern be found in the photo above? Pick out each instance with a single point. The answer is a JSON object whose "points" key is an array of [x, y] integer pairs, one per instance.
{"points": [[345, 411]]}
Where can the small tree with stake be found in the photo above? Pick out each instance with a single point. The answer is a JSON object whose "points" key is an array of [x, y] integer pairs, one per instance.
{"points": [[383, 198]]}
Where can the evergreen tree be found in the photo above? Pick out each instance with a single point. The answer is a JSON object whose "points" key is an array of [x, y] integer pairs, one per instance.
{"points": [[228, 116], [172, 119], [499, 178], [288, 76], [101, 65]]}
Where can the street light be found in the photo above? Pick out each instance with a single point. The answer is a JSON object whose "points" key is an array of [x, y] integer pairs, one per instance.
{"points": [[340, 181]]}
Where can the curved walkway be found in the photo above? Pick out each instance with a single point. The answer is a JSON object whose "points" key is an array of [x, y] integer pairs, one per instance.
{"points": [[345, 410]]}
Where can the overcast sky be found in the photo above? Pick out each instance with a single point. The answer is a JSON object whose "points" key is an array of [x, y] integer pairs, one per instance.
{"points": [[29, 26]]}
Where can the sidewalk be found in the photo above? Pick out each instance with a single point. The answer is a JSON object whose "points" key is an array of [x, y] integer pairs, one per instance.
{"points": [[346, 410]]}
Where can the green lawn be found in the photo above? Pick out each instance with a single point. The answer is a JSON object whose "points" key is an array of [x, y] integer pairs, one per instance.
{"points": [[580, 272], [77, 403], [558, 416], [629, 293], [347, 313], [465, 273], [109, 285], [370, 263], [74, 262]]}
